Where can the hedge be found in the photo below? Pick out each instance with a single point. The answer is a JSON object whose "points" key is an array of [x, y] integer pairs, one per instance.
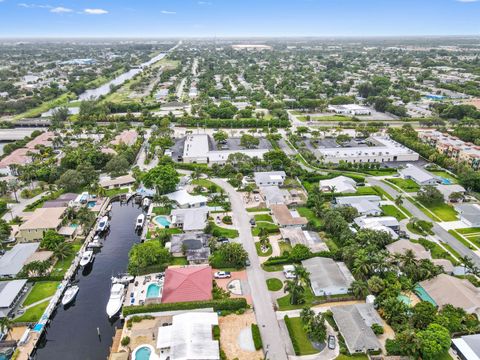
{"points": [[295, 345], [217, 305], [283, 260], [257, 338]]}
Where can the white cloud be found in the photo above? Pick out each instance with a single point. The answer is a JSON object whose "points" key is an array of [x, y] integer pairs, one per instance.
{"points": [[95, 11], [60, 10], [467, 1], [168, 12], [31, 6]]}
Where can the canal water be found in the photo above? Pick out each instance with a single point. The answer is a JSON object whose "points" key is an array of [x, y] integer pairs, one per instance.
{"points": [[72, 334]]}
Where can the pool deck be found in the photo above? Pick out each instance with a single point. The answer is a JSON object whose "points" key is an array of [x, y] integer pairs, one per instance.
{"points": [[140, 291]]}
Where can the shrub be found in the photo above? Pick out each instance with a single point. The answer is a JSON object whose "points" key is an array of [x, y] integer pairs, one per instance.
{"points": [[125, 341], [377, 329], [257, 338], [216, 332], [227, 220]]}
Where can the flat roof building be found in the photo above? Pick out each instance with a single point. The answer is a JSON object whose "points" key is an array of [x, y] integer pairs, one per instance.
{"points": [[268, 178], [10, 293], [328, 277], [469, 214], [194, 219], [467, 347], [12, 262], [419, 175], [184, 200]]}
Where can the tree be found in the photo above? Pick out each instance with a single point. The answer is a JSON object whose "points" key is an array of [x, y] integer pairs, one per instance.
{"points": [[118, 165], [51, 239], [164, 178], [376, 284], [399, 200], [295, 290], [430, 195], [147, 254], [423, 314], [5, 230], [359, 289], [60, 115], [220, 136], [434, 341], [6, 325], [249, 141], [302, 275], [63, 250], [300, 252], [231, 255], [71, 180]]}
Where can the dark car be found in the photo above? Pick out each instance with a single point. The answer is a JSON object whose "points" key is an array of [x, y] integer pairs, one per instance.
{"points": [[331, 342], [252, 222], [223, 240]]}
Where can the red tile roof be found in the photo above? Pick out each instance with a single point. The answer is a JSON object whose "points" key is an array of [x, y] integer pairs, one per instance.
{"points": [[192, 283]]}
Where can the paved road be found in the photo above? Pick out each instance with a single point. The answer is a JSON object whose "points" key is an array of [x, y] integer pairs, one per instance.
{"points": [[273, 341], [15, 209], [437, 229]]}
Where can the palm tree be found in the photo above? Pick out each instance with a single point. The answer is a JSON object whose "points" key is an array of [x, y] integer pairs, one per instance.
{"points": [[295, 290], [359, 289], [6, 325], [399, 200], [362, 266], [302, 275], [63, 250]]}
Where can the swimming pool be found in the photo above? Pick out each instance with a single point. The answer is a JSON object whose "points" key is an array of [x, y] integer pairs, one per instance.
{"points": [[405, 299], [143, 353], [91, 204], [153, 291], [446, 181], [423, 295], [162, 220]]}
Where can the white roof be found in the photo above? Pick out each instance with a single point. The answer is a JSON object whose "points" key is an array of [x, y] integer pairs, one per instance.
{"points": [[182, 198], [388, 221], [222, 155], [12, 262], [418, 174], [196, 145], [192, 219], [342, 184], [349, 200], [9, 291], [268, 176], [469, 346]]}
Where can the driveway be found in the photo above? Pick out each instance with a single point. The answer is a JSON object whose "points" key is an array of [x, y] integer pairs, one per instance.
{"points": [[273, 342], [15, 209]]}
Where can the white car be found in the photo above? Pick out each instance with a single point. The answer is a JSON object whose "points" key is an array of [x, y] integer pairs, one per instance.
{"points": [[222, 275], [289, 271]]}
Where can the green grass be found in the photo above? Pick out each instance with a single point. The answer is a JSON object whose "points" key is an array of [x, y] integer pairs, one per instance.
{"points": [[259, 250], [284, 301], [257, 209], [298, 336], [415, 230], [468, 231], [41, 290], [160, 210], [310, 215], [352, 357], [34, 313], [407, 185], [284, 246], [392, 210], [325, 118], [271, 228], [114, 192], [207, 184], [445, 175], [461, 239], [61, 266], [179, 261], [365, 190], [274, 284], [443, 211], [223, 232], [435, 250], [263, 217], [45, 106]]}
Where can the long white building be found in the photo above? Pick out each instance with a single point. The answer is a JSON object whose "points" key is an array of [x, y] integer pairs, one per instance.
{"points": [[381, 149]]}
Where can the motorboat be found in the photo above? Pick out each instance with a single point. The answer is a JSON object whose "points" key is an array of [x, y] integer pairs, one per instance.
{"points": [[103, 224], [140, 221], [95, 244], [125, 279], [87, 258], [109, 208], [70, 294], [146, 203], [115, 302]]}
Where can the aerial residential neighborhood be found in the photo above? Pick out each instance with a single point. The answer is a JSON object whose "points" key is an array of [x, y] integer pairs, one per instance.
{"points": [[240, 180]]}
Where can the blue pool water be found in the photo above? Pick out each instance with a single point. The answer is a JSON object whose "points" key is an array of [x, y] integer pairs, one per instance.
{"points": [[153, 291], [91, 204], [162, 220], [423, 295], [74, 226], [405, 299], [446, 181], [143, 353]]}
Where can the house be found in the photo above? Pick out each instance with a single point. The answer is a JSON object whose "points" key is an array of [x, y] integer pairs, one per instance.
{"points": [[355, 324], [10, 294], [311, 239], [274, 195], [118, 182], [419, 175], [193, 245], [184, 200], [340, 184], [389, 224], [328, 277], [445, 289], [189, 337], [194, 219], [39, 221], [365, 204], [126, 137], [448, 190], [191, 283], [469, 214], [12, 262], [286, 217], [402, 246], [267, 178], [467, 347]]}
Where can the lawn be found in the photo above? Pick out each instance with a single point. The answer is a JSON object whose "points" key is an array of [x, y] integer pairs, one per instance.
{"points": [[392, 210], [223, 232], [284, 301], [310, 215], [468, 231], [161, 210], [114, 192], [207, 184], [33, 314], [179, 261], [299, 337], [352, 357], [365, 190], [284, 246], [407, 185], [41, 290], [445, 175], [325, 118], [443, 211], [257, 209], [263, 217], [436, 250], [462, 240], [274, 284], [259, 250], [61, 266], [45, 106], [271, 228]]}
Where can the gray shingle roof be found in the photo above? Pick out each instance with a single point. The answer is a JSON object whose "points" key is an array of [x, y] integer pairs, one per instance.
{"points": [[12, 262]]}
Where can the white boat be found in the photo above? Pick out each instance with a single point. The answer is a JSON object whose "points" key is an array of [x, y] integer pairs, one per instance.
{"points": [[109, 208], [125, 279], [115, 302], [146, 202], [140, 221], [70, 294], [87, 258], [95, 244], [103, 224]]}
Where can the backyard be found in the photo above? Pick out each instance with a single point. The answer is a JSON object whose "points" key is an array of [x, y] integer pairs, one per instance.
{"points": [[392, 210], [41, 290], [407, 185], [300, 341]]}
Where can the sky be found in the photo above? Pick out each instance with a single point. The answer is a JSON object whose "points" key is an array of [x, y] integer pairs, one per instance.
{"points": [[237, 18]]}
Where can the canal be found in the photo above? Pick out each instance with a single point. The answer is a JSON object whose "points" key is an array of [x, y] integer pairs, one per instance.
{"points": [[72, 333]]}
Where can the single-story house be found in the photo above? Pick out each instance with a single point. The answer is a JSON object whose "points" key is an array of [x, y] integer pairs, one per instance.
{"points": [[295, 235], [10, 294], [274, 195], [365, 204], [184, 200], [419, 175], [12, 262], [388, 224], [355, 324], [286, 217], [118, 182], [445, 264], [340, 184], [401, 246], [39, 221], [193, 245], [189, 337], [467, 347], [190, 283], [267, 178], [448, 190], [194, 219], [63, 200], [328, 277], [469, 214], [445, 289]]}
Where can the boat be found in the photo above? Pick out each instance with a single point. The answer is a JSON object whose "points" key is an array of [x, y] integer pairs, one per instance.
{"points": [[140, 221], [115, 302], [87, 258], [70, 294], [103, 224], [146, 203], [95, 244], [125, 279], [109, 208]]}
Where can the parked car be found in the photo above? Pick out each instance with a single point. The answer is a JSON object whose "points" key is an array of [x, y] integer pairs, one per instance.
{"points": [[331, 342], [223, 240], [289, 271], [252, 222], [222, 275], [247, 262]]}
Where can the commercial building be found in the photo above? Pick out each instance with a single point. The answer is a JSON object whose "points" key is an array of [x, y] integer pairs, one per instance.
{"points": [[39, 221], [10, 294], [339, 184], [12, 262], [269, 178], [328, 277], [365, 204], [349, 109], [419, 175], [381, 149]]}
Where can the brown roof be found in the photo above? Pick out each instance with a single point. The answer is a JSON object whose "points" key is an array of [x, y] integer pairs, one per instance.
{"points": [[284, 216], [401, 247], [127, 137], [18, 156], [44, 218], [42, 139], [121, 180], [39, 256]]}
